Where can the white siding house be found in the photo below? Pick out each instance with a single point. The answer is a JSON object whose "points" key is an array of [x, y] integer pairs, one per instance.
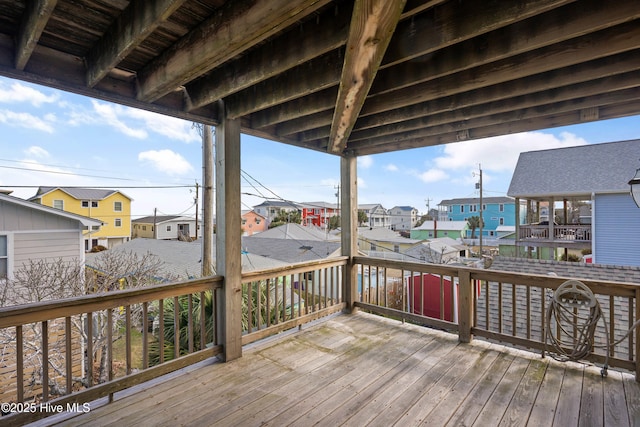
{"points": [[165, 227], [30, 231]]}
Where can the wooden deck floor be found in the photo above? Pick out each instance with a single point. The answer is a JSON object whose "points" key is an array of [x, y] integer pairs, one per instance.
{"points": [[365, 370]]}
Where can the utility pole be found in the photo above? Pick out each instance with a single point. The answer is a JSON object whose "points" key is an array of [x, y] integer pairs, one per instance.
{"points": [[196, 200], [207, 200], [481, 219], [155, 214]]}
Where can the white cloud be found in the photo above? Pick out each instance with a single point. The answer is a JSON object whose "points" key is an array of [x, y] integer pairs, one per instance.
{"points": [[25, 120], [111, 115], [166, 161], [362, 183], [433, 175], [36, 151], [18, 92], [501, 153], [391, 167], [132, 122], [171, 127], [498, 154], [365, 162]]}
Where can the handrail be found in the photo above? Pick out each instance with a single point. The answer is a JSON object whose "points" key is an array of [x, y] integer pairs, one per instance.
{"points": [[505, 306], [53, 309]]}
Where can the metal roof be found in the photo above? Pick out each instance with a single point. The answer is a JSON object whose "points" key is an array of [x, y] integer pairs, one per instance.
{"points": [[343, 76]]}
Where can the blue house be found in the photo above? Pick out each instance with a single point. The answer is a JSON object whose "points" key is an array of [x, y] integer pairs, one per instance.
{"points": [[585, 190], [496, 212]]}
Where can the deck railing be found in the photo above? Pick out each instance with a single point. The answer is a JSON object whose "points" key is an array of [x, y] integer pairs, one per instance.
{"points": [[283, 298], [130, 324], [569, 233], [501, 306], [57, 355]]}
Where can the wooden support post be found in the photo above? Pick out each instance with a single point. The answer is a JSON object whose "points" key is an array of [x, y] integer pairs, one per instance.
{"points": [[349, 225], [228, 243], [465, 306]]}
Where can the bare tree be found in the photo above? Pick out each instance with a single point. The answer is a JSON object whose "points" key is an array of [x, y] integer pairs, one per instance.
{"points": [[44, 280]]}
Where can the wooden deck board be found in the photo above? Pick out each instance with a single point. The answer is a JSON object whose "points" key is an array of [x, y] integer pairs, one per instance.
{"points": [[365, 370]]}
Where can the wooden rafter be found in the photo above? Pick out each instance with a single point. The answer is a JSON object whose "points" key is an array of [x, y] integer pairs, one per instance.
{"points": [[239, 25], [137, 21], [371, 30], [36, 17], [308, 42]]}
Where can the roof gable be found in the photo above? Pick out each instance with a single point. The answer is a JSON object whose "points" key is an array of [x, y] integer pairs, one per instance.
{"points": [[86, 221], [576, 171], [80, 193]]}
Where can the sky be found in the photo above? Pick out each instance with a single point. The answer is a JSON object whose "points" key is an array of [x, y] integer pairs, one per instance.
{"points": [[54, 138]]}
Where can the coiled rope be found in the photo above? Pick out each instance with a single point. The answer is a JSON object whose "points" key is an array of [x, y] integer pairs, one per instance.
{"points": [[576, 312]]}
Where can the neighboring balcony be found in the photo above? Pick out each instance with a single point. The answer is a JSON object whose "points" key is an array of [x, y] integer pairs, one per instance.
{"points": [[426, 353], [567, 236]]}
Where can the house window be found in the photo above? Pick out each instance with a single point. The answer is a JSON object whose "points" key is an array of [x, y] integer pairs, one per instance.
{"points": [[144, 228], [4, 257], [95, 227], [118, 222], [501, 207], [168, 228], [58, 204], [117, 206], [473, 208], [461, 208], [374, 247], [501, 221], [85, 203], [244, 221], [396, 248], [257, 221]]}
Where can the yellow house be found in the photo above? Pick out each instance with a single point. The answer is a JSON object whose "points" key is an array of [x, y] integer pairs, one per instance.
{"points": [[111, 207]]}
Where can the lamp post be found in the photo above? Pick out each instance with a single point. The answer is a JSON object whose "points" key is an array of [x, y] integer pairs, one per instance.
{"points": [[634, 189]]}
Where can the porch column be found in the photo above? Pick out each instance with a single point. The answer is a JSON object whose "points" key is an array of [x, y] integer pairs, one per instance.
{"points": [[552, 231], [228, 243], [517, 255], [349, 225]]}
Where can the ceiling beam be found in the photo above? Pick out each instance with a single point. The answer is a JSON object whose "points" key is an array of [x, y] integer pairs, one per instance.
{"points": [[561, 94], [610, 41], [600, 68], [238, 26], [310, 77], [531, 113], [449, 24], [324, 100], [426, 33], [293, 48], [573, 20], [132, 27], [372, 25], [604, 113], [36, 16]]}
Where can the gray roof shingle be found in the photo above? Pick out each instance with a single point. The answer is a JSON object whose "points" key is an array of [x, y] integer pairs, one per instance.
{"points": [[576, 171]]}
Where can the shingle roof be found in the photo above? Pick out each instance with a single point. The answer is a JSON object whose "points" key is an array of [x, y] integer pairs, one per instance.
{"points": [[288, 250], [80, 193], [568, 269], [158, 219], [296, 232], [469, 200], [576, 171], [380, 234], [443, 225], [182, 259], [84, 220]]}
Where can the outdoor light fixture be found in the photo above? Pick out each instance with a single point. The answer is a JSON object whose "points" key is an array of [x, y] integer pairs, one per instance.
{"points": [[635, 188]]}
